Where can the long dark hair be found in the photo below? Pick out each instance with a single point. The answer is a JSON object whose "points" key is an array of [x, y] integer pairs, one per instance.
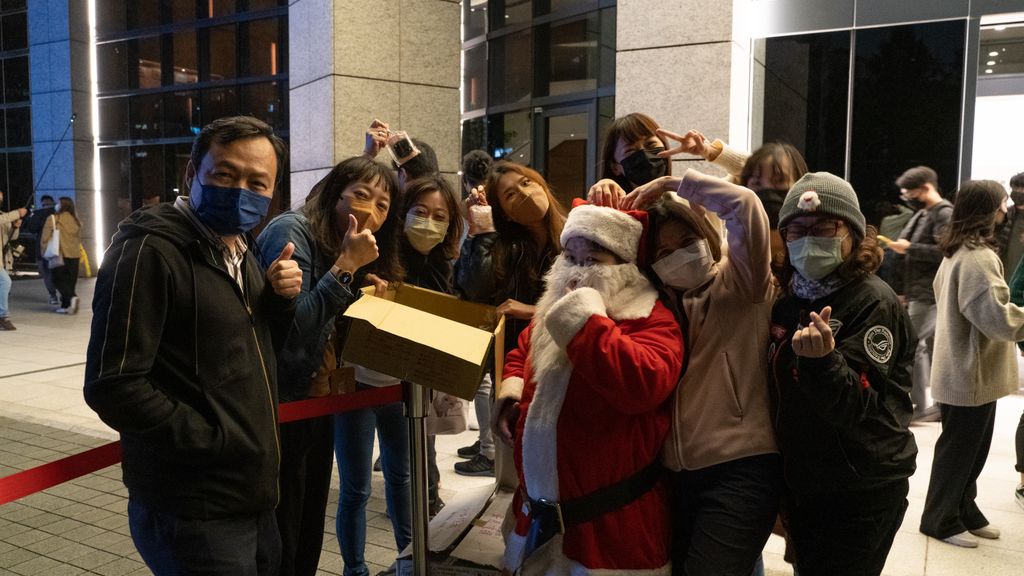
{"points": [[320, 212], [632, 127], [780, 156], [974, 217], [67, 206], [448, 249], [666, 209], [511, 232]]}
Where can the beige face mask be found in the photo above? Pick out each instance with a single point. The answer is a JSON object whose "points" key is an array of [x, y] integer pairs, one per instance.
{"points": [[367, 215], [529, 209]]}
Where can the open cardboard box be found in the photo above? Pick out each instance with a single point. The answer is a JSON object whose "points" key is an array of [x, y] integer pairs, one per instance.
{"points": [[425, 337]]}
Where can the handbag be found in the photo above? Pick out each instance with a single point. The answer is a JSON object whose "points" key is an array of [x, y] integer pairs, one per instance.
{"points": [[54, 259]]}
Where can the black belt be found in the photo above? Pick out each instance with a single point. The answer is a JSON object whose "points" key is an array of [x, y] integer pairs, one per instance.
{"points": [[549, 518]]}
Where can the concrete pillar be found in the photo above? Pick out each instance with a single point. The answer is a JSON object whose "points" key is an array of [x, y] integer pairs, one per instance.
{"points": [[59, 78], [354, 60], [674, 62]]}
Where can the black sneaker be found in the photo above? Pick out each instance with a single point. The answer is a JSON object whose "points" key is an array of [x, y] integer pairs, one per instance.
{"points": [[480, 465], [469, 451], [376, 465], [435, 506]]}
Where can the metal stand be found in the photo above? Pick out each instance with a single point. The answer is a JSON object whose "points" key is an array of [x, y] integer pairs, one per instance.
{"points": [[413, 397]]}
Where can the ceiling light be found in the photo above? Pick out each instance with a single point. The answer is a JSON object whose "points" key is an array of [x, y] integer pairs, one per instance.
{"points": [[988, 71], [999, 28], [990, 63], [993, 53]]}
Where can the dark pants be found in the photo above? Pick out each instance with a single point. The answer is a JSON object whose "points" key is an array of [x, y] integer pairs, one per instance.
{"points": [[1020, 444], [46, 274], [847, 533], [65, 278], [724, 514], [239, 546], [307, 460], [960, 454], [433, 474]]}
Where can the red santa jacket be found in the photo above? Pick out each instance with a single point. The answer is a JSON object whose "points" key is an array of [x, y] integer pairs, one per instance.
{"points": [[593, 379]]}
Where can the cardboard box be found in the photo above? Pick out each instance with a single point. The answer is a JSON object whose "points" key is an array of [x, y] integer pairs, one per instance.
{"points": [[465, 537], [425, 337]]}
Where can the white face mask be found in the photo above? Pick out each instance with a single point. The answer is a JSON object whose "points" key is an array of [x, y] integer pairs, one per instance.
{"points": [[687, 267], [423, 233]]}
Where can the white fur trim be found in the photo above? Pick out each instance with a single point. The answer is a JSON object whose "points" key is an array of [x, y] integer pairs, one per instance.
{"points": [[570, 313], [615, 230], [511, 389]]}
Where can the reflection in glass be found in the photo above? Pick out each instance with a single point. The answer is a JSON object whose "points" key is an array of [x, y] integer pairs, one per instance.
{"points": [[186, 69], [19, 177], [147, 61], [566, 163], [19, 126], [145, 116], [474, 134], [572, 52], [181, 10], [116, 170], [114, 18], [15, 31], [147, 173], [474, 18], [262, 57], [510, 72], [142, 14], [220, 7], [263, 101], [606, 42], [906, 106], [114, 121], [181, 114], [255, 5], [1002, 50], [511, 12], [177, 158], [510, 137], [219, 102], [474, 87], [222, 61], [546, 6], [805, 96], [16, 87], [112, 66]]}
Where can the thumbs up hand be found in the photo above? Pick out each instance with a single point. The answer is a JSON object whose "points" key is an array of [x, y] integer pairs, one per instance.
{"points": [[284, 274], [358, 248]]}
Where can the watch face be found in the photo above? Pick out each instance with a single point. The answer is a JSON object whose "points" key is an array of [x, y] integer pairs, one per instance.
{"points": [[345, 278]]}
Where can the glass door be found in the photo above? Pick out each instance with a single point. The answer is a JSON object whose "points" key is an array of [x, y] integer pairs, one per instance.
{"points": [[566, 150]]}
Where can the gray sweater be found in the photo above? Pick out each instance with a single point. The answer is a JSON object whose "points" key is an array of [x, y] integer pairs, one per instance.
{"points": [[975, 360]]}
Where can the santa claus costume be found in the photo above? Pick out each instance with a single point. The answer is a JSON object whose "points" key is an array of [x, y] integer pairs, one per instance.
{"points": [[592, 375]]}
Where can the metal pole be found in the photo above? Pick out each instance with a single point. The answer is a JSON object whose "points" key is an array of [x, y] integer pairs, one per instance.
{"points": [[413, 396]]}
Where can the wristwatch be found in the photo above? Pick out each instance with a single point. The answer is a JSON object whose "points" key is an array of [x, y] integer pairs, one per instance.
{"points": [[344, 277]]}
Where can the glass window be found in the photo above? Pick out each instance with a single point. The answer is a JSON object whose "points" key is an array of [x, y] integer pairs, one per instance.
{"points": [[145, 116], [114, 18], [177, 160], [255, 5], [548, 6], [220, 8], [147, 61], [142, 14], [566, 159], [219, 102], [262, 57], [474, 89], [1002, 51], [907, 86], [510, 136], [114, 120], [116, 169], [606, 42], [805, 96], [15, 31], [147, 172], [186, 70], [264, 102], [474, 135], [570, 51], [112, 66], [222, 60], [183, 10], [19, 126], [16, 79], [6, 5], [19, 177], [510, 12], [510, 77], [474, 18], [181, 114]]}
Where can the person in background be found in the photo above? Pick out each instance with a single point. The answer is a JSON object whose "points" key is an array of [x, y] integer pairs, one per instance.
{"points": [[1017, 297], [331, 248], [840, 354], [586, 390], [10, 223], [181, 360], [975, 362], [1010, 235], [917, 260], [65, 277], [34, 225], [503, 266], [894, 218]]}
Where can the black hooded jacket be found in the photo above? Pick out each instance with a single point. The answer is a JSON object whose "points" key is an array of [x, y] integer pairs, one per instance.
{"points": [[180, 363]]}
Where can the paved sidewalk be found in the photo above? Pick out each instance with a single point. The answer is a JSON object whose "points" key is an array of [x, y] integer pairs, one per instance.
{"points": [[81, 527]]}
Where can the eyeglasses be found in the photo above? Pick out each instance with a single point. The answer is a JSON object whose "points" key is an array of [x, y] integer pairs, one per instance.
{"points": [[821, 229]]}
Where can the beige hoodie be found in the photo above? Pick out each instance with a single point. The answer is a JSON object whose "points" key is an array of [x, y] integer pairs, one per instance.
{"points": [[721, 407]]}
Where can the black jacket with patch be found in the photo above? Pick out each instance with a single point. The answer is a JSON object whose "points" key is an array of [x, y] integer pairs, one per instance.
{"points": [[842, 421], [180, 363]]}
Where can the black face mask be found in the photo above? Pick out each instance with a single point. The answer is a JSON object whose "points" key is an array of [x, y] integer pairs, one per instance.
{"points": [[914, 204], [772, 200], [642, 166], [1018, 199]]}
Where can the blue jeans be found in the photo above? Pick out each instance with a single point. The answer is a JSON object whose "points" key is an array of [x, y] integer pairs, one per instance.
{"points": [[236, 546], [353, 447], [5, 291]]}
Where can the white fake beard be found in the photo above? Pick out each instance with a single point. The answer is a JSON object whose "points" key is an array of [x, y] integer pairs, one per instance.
{"points": [[609, 280]]}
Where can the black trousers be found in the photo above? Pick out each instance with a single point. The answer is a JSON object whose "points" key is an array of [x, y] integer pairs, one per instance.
{"points": [[846, 533], [960, 454], [307, 460], [1020, 444], [64, 279], [723, 515]]}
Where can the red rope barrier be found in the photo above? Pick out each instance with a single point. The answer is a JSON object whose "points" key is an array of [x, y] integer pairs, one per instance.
{"points": [[21, 484]]}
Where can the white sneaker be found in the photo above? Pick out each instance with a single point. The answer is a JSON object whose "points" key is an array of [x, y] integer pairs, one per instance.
{"points": [[61, 310], [986, 532], [73, 308], [963, 539]]}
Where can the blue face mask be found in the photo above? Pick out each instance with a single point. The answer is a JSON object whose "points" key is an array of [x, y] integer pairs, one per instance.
{"points": [[814, 257], [227, 211]]}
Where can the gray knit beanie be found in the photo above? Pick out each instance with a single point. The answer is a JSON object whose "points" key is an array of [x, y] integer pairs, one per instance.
{"points": [[822, 193]]}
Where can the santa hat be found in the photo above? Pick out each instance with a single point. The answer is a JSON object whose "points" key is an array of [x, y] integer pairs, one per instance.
{"points": [[621, 233]]}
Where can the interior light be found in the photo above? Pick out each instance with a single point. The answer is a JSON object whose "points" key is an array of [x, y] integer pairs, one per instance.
{"points": [[990, 63], [988, 71], [999, 28], [993, 53]]}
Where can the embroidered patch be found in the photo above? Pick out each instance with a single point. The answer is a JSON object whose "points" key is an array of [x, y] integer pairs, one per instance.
{"points": [[878, 343], [809, 201], [835, 325]]}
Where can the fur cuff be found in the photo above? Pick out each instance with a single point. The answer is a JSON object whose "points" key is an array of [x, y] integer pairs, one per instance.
{"points": [[510, 389], [570, 313]]}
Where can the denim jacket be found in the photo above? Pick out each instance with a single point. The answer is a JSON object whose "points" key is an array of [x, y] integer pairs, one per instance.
{"points": [[322, 299]]}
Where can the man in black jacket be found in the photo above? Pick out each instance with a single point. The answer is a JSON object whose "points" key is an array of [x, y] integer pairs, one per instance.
{"points": [[180, 360], [34, 225], [917, 261]]}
